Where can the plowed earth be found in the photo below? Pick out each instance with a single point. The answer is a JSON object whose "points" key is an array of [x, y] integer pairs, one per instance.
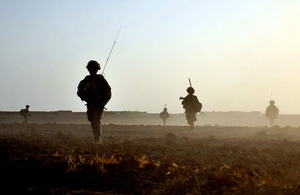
{"points": [[137, 159]]}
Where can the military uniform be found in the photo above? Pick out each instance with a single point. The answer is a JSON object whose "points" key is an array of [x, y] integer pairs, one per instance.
{"points": [[272, 112], [96, 92], [164, 115], [25, 114], [191, 105]]}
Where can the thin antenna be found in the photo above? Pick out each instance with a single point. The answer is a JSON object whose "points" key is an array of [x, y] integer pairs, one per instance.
{"points": [[190, 82], [111, 50], [271, 95]]}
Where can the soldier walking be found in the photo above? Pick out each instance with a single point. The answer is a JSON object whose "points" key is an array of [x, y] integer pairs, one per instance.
{"points": [[96, 92], [272, 112], [25, 113], [164, 115], [191, 105]]}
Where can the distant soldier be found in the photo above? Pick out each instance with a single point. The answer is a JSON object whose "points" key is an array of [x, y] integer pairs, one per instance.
{"points": [[272, 112], [164, 115], [96, 92], [25, 114], [191, 105]]}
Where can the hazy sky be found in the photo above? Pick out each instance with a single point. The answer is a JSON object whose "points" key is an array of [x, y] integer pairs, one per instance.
{"points": [[238, 54]]}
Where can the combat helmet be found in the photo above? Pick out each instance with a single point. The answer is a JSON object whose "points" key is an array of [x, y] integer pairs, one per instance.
{"points": [[93, 64], [190, 90], [272, 102], [27, 106]]}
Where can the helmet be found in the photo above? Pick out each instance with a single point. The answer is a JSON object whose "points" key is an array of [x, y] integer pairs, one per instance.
{"points": [[93, 64], [165, 109], [27, 106], [190, 90], [272, 102]]}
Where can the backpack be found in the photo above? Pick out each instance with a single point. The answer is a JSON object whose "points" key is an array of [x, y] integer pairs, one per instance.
{"points": [[22, 112], [198, 106], [192, 103], [164, 115]]}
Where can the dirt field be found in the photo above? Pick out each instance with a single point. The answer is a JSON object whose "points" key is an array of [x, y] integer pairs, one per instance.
{"points": [[54, 158]]}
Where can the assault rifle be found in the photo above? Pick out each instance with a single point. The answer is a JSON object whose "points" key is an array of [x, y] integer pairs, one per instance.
{"points": [[182, 98]]}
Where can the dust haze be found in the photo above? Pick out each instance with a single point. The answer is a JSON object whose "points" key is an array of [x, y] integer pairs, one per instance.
{"points": [[240, 154]]}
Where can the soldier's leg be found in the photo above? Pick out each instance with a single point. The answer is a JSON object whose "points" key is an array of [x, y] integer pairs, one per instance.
{"points": [[25, 120], [271, 122], [90, 114], [91, 117], [191, 119], [191, 122], [187, 116], [164, 121], [192, 126], [97, 125]]}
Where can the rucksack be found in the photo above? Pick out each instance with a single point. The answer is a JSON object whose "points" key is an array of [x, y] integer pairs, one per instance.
{"points": [[192, 103], [198, 106], [22, 112]]}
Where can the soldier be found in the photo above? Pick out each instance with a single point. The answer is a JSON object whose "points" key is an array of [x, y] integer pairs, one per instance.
{"points": [[96, 92], [164, 115], [272, 112], [25, 114], [191, 105]]}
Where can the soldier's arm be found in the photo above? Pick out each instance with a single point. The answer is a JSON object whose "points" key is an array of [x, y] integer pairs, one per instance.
{"points": [[183, 101], [81, 90], [267, 112]]}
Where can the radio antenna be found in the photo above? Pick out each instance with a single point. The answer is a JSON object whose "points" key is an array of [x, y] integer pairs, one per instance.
{"points": [[111, 50], [190, 82]]}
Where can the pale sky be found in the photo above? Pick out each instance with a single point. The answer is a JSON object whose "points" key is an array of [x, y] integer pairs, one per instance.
{"points": [[238, 54]]}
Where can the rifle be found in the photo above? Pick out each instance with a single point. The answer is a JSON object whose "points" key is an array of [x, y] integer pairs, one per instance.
{"points": [[182, 98]]}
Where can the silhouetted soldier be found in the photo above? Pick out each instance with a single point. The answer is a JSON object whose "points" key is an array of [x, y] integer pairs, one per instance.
{"points": [[96, 92], [272, 112], [164, 115], [191, 105], [25, 114]]}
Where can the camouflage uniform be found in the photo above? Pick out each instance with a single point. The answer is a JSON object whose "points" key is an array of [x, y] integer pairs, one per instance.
{"points": [[272, 112], [95, 90], [190, 103], [25, 114], [164, 115]]}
